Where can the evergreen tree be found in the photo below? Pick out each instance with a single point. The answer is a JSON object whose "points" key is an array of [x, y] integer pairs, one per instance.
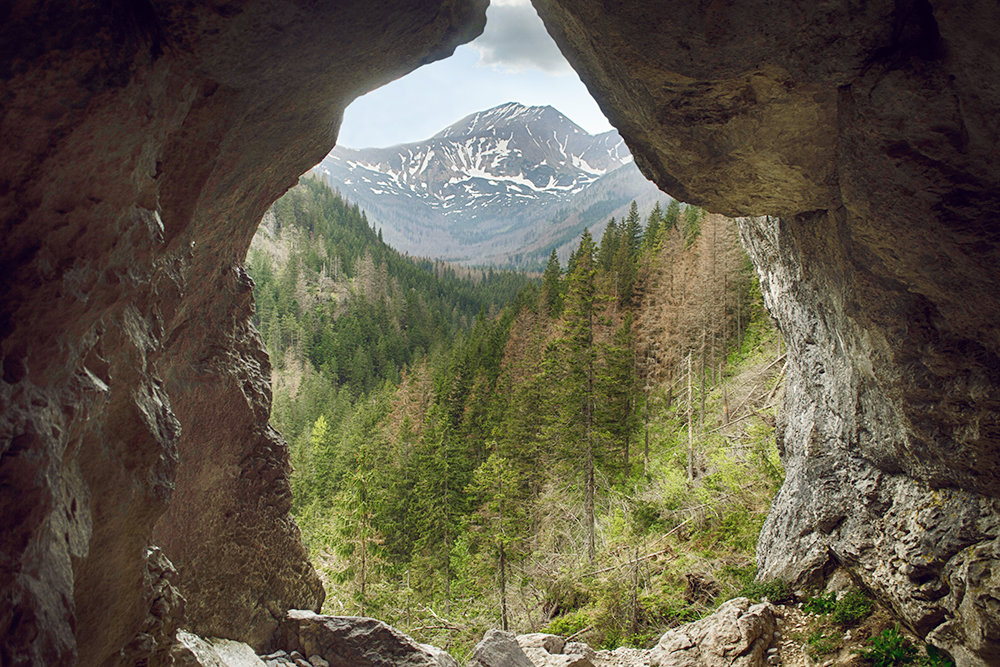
{"points": [[653, 222], [609, 246], [671, 217], [619, 389], [632, 231], [579, 370], [501, 519], [551, 285]]}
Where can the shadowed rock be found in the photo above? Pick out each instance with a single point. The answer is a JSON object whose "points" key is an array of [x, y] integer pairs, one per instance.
{"points": [[870, 132]]}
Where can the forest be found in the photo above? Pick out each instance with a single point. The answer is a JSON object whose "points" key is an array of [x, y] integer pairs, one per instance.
{"points": [[588, 452]]}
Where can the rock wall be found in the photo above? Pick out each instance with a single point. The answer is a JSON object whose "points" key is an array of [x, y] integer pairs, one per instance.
{"points": [[143, 140], [871, 131]]}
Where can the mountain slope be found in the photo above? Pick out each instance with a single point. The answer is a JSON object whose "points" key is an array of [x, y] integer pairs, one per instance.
{"points": [[487, 188]]}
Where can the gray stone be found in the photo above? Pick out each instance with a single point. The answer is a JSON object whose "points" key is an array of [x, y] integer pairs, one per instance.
{"points": [[354, 641], [499, 649], [580, 648], [736, 635], [191, 650], [551, 643]]}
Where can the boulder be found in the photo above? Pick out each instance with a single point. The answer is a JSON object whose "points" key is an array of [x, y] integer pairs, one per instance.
{"points": [[190, 650], [738, 634], [580, 648], [355, 641], [550, 643], [499, 649]]}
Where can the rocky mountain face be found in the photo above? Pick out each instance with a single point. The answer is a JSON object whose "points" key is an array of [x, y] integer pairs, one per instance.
{"points": [[143, 142], [485, 188]]}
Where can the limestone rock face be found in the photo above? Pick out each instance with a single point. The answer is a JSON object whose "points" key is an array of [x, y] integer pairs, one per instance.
{"points": [[738, 634], [142, 143], [870, 131]]}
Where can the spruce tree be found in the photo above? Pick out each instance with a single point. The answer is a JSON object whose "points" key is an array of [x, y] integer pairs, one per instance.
{"points": [[551, 287], [580, 360], [609, 246], [632, 231], [653, 223], [672, 215]]}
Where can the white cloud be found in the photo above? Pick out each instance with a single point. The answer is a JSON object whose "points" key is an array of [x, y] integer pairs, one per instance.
{"points": [[515, 40]]}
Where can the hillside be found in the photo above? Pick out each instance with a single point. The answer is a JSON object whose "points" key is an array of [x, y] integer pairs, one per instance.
{"points": [[500, 187], [592, 456]]}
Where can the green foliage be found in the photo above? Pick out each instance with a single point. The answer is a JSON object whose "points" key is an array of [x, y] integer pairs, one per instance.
{"points": [[934, 657], [890, 649], [850, 608], [820, 643], [775, 590], [820, 604], [468, 446], [568, 624]]}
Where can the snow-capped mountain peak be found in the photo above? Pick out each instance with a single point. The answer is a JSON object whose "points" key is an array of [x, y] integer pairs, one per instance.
{"points": [[479, 176]]}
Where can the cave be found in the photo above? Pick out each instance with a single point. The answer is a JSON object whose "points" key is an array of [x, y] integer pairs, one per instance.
{"points": [[857, 143]]}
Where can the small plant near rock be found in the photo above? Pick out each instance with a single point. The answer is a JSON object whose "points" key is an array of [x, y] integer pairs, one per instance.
{"points": [[775, 591], [933, 657], [851, 608], [890, 649], [820, 644], [821, 604]]}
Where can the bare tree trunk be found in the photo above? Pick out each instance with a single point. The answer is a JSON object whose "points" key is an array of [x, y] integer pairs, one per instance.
{"points": [[503, 558], [690, 424], [725, 399], [634, 611], [503, 589], [588, 506], [704, 341], [645, 456]]}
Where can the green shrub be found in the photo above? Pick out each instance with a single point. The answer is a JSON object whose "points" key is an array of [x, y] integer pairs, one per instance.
{"points": [[775, 590], [568, 624], [821, 604], [819, 644], [934, 657], [890, 649], [852, 607]]}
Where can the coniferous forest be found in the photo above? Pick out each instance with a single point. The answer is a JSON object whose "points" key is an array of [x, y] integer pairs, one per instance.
{"points": [[588, 452]]}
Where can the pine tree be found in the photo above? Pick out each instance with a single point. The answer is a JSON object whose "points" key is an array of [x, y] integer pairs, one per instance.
{"points": [[672, 215], [551, 285], [653, 222], [609, 246], [632, 231], [501, 517], [580, 359], [619, 390]]}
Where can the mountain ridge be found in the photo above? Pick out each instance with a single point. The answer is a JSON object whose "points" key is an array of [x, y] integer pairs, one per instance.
{"points": [[481, 190]]}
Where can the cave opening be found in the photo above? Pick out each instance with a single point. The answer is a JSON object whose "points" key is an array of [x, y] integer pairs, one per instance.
{"points": [[136, 172]]}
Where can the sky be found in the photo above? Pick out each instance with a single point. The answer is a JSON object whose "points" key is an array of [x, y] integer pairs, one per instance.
{"points": [[514, 60]]}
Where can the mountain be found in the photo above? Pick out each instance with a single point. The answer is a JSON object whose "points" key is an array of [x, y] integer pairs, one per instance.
{"points": [[501, 187]]}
